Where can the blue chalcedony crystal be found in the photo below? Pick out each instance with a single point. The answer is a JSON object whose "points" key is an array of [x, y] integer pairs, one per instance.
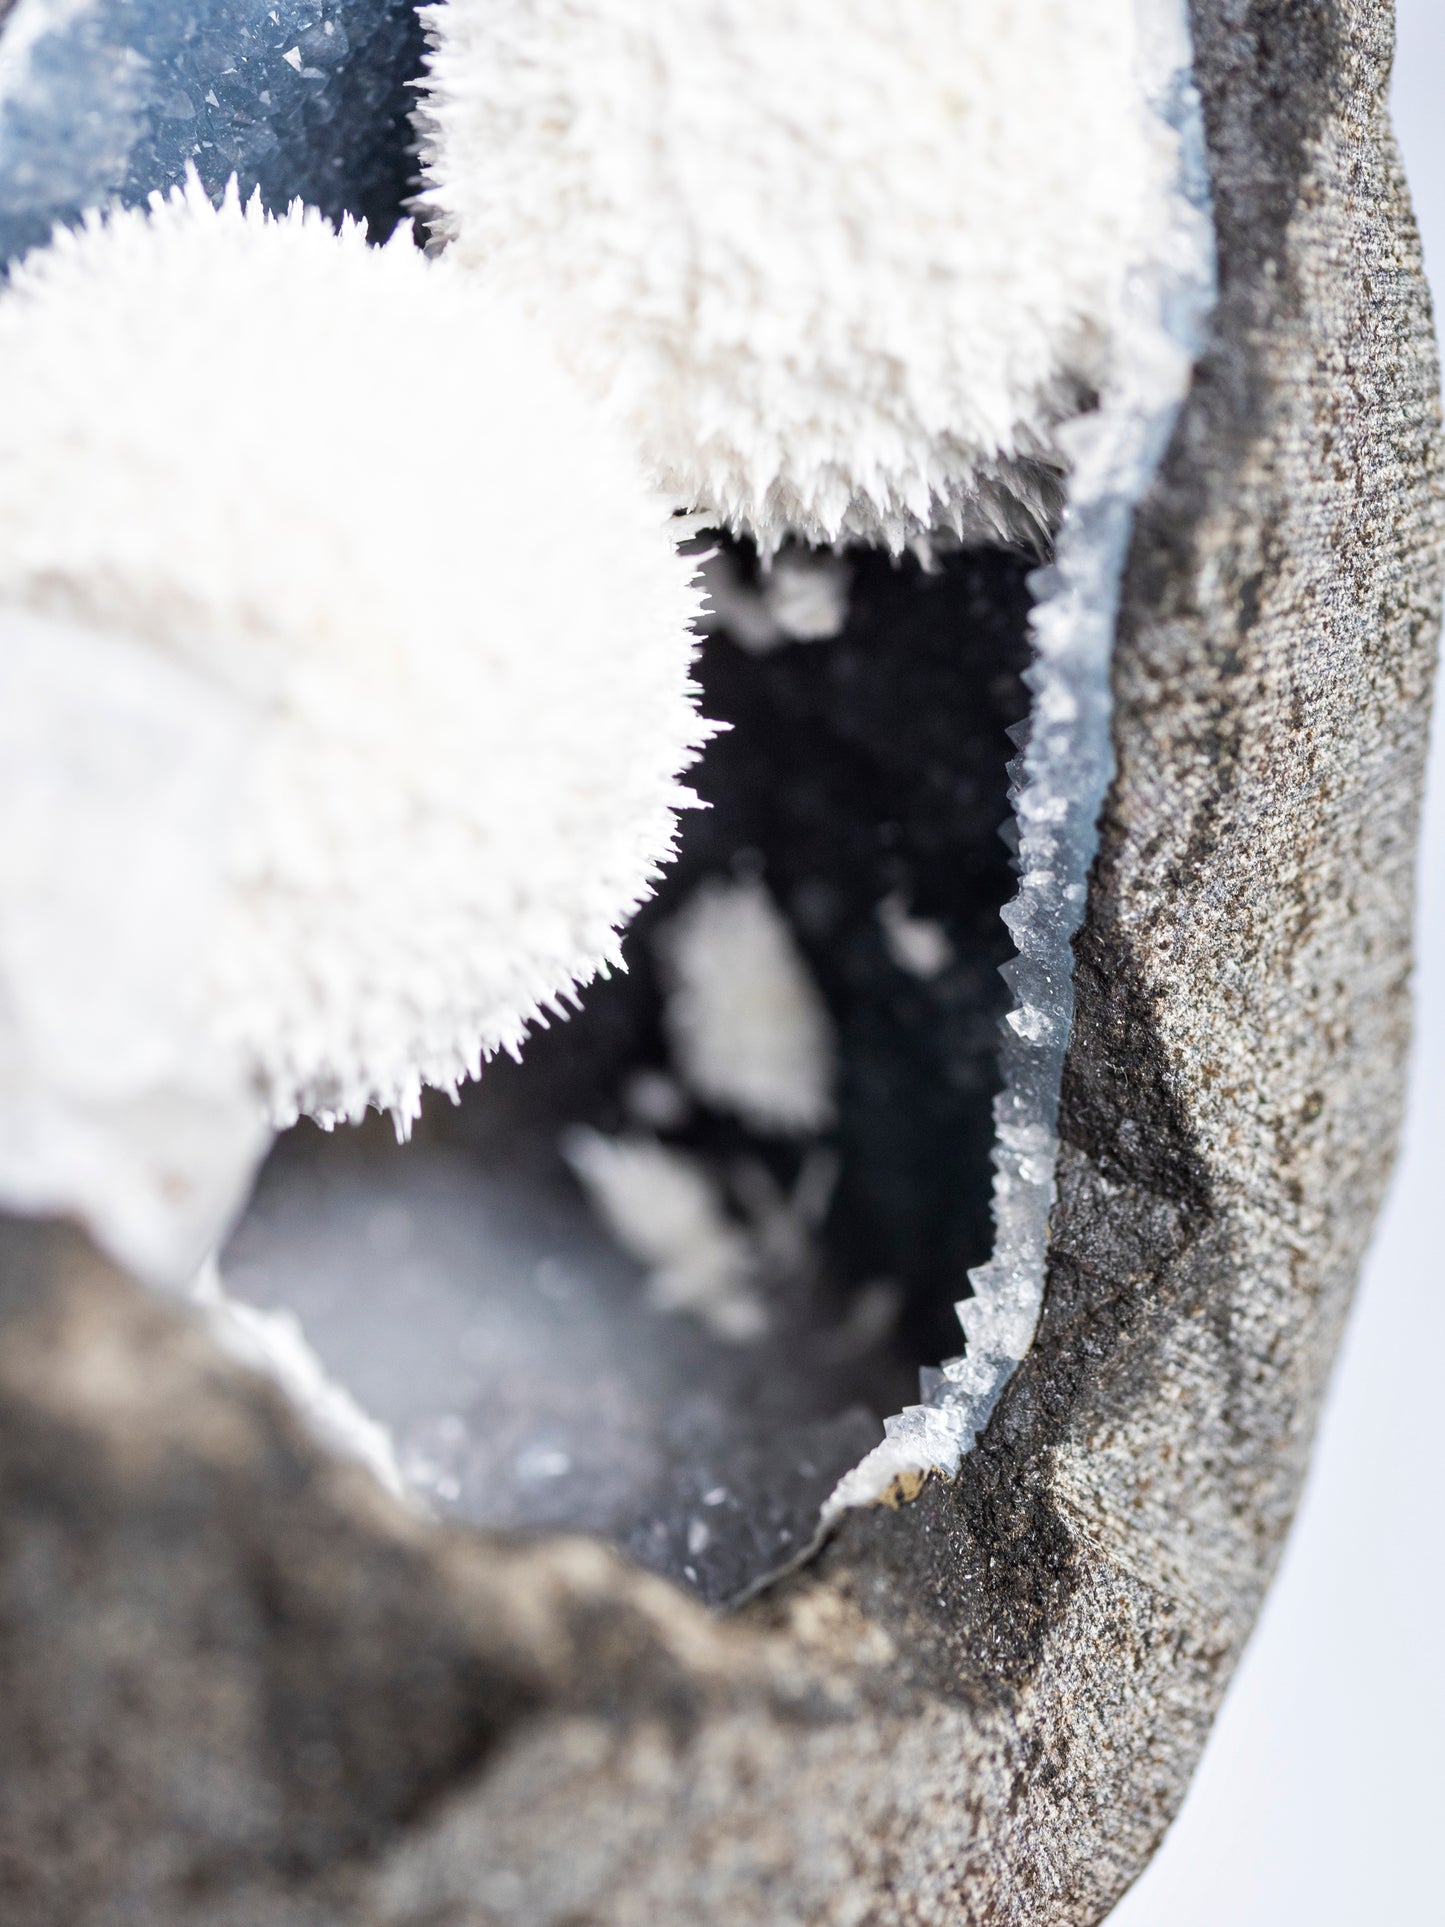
{"points": [[107, 100]]}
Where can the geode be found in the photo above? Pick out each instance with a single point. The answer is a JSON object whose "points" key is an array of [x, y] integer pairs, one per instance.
{"points": [[243, 1685]]}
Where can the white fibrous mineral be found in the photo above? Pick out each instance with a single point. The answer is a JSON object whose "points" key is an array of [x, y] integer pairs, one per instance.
{"points": [[843, 265], [668, 1212], [436, 612], [745, 1022]]}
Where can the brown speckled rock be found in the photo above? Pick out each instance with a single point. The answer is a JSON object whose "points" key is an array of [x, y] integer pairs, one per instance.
{"points": [[242, 1689]]}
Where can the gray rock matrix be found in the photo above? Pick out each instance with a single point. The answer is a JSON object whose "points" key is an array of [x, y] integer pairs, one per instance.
{"points": [[242, 1689]]}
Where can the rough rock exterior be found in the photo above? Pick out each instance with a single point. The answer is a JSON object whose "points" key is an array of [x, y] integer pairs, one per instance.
{"points": [[241, 1688]]}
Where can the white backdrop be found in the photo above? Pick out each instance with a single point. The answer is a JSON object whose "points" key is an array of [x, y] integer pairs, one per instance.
{"points": [[1321, 1800]]}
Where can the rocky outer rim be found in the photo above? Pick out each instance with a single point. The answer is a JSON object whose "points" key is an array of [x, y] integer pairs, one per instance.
{"points": [[242, 1688]]}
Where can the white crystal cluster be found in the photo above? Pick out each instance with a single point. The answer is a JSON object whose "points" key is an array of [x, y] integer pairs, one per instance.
{"points": [[747, 1033], [801, 597], [845, 266], [668, 1211], [1062, 775], [347, 507]]}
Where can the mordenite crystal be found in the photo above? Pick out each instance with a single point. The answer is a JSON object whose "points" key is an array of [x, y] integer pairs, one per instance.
{"points": [[443, 794], [845, 268]]}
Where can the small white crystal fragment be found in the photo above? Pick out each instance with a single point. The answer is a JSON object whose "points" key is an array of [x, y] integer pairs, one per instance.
{"points": [[916, 944], [746, 1024], [655, 1100], [1031, 1023], [543, 1461], [736, 608], [664, 1208], [806, 594]]}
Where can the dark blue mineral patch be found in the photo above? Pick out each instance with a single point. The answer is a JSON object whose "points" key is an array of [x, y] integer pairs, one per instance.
{"points": [[106, 100]]}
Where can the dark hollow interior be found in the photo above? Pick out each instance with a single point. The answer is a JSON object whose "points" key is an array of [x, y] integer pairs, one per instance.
{"points": [[462, 1287]]}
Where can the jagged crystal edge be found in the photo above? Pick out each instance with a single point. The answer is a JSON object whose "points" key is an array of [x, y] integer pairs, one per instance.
{"points": [[1060, 780], [105, 101]]}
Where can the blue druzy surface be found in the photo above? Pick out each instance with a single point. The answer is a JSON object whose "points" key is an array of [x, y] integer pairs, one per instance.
{"points": [[106, 100]]}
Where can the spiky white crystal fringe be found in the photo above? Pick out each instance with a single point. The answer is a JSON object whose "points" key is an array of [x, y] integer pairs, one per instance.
{"points": [[464, 716], [1060, 781], [843, 265]]}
